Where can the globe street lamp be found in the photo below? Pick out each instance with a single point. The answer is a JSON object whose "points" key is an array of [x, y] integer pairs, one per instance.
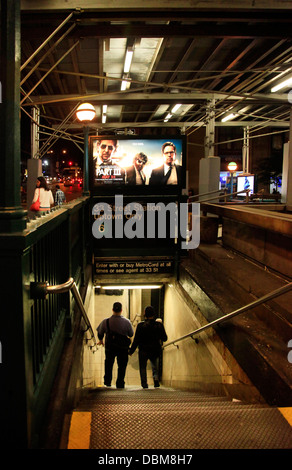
{"points": [[85, 113], [232, 167]]}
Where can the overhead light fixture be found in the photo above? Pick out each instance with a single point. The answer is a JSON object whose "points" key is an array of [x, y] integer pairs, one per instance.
{"points": [[104, 111], [228, 117], [167, 117], [243, 110], [85, 112], [147, 286], [232, 166], [284, 84], [128, 60], [175, 108], [125, 83], [161, 110]]}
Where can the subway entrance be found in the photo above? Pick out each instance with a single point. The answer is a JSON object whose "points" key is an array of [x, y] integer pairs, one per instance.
{"points": [[134, 295]]}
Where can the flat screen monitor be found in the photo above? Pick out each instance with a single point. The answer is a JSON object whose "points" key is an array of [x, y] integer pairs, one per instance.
{"points": [[245, 182], [137, 165], [223, 179]]}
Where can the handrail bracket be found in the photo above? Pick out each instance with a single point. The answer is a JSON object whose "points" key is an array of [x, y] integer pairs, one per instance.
{"points": [[40, 290]]}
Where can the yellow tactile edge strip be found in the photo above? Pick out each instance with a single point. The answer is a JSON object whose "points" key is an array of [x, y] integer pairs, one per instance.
{"points": [[79, 432], [287, 413]]}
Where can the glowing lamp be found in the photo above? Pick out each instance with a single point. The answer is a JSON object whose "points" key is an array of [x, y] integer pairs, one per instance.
{"points": [[85, 112], [232, 166]]}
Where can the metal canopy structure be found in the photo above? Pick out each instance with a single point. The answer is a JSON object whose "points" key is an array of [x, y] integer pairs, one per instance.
{"points": [[187, 63]]}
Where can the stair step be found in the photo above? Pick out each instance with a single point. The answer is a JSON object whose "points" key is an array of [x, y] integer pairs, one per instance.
{"points": [[169, 419], [156, 397]]}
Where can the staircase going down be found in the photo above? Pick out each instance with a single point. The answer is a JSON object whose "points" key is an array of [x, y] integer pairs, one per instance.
{"points": [[164, 418]]}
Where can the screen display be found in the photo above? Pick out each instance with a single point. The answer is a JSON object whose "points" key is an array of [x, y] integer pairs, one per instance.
{"points": [[245, 182], [135, 162]]}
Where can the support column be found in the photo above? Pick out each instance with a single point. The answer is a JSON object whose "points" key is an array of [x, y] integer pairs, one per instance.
{"points": [[15, 264], [209, 176], [34, 164], [12, 215], [85, 163], [210, 129], [245, 151], [34, 169], [209, 172], [287, 170]]}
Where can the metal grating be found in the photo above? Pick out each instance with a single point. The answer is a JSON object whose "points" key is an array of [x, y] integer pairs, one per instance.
{"points": [[168, 419]]}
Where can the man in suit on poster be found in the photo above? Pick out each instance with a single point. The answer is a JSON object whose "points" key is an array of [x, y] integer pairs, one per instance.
{"points": [[106, 169], [169, 172]]}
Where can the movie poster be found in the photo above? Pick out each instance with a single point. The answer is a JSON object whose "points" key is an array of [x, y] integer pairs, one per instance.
{"points": [[137, 161]]}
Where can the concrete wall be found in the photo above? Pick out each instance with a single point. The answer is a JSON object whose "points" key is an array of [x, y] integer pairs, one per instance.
{"points": [[271, 249], [206, 365]]}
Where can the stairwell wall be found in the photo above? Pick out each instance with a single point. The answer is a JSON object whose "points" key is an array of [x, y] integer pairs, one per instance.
{"points": [[203, 365]]}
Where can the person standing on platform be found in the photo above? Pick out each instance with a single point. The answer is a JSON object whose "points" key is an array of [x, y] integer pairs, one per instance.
{"points": [[44, 194], [149, 336], [60, 197], [117, 330]]}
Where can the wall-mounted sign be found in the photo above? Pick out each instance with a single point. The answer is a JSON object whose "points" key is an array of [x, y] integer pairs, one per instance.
{"points": [[129, 266]]}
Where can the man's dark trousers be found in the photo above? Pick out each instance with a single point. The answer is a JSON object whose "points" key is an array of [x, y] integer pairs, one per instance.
{"points": [[122, 360], [154, 359]]}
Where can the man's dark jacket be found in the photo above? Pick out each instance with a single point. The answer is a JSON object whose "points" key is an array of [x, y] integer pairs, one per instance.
{"points": [[157, 176], [149, 337]]}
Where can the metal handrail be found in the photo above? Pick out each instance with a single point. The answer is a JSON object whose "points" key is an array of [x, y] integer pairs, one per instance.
{"points": [[138, 315], [223, 195], [205, 194], [40, 290], [282, 290]]}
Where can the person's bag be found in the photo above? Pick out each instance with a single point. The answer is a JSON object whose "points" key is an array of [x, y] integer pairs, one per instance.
{"points": [[116, 339], [35, 205]]}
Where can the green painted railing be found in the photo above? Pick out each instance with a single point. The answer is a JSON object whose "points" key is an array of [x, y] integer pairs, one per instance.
{"points": [[52, 249]]}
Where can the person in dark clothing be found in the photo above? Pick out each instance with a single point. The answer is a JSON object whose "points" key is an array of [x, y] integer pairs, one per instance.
{"points": [[149, 337], [60, 197], [135, 174], [115, 326], [169, 172]]}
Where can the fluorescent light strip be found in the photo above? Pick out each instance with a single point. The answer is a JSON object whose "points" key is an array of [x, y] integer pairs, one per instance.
{"points": [[227, 118], [281, 85], [175, 108], [104, 111], [128, 60], [167, 117], [132, 287]]}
